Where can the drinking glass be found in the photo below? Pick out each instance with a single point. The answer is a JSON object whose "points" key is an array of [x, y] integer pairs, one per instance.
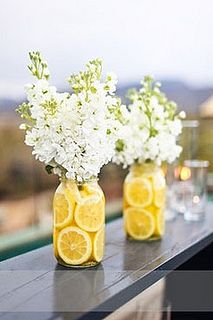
{"points": [[195, 195], [176, 173], [189, 140]]}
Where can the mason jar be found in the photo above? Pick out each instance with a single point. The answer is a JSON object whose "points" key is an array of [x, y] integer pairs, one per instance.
{"points": [[79, 223], [144, 202]]}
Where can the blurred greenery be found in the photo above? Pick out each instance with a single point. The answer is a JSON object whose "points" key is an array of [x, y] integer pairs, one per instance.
{"points": [[202, 146], [21, 175], [205, 141]]}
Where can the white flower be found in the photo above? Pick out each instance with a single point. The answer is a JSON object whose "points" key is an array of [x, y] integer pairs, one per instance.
{"points": [[182, 115], [74, 133], [150, 127], [111, 82], [23, 126]]}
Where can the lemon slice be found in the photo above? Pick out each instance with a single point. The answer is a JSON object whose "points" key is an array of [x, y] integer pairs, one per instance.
{"points": [[159, 223], [125, 204], [160, 197], [138, 192], [84, 192], [91, 192], [98, 245], [159, 186], [74, 245], [72, 186], [55, 237], [63, 206], [143, 171], [159, 180], [90, 214], [140, 224], [152, 209]]}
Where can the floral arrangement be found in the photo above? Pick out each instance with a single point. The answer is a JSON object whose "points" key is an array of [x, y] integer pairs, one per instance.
{"points": [[150, 128], [74, 133]]}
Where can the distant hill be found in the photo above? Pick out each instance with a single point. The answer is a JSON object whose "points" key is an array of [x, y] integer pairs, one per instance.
{"points": [[188, 98]]}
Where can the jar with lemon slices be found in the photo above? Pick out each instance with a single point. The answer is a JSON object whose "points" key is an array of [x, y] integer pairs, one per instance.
{"points": [[144, 202], [79, 223]]}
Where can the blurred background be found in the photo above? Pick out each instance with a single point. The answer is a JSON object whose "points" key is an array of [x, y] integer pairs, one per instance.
{"points": [[169, 39]]}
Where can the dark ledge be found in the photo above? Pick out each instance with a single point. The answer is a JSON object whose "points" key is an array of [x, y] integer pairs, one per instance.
{"points": [[33, 286]]}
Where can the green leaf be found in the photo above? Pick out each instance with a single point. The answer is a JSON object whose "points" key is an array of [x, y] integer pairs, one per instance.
{"points": [[84, 80], [38, 67], [49, 169], [93, 90], [24, 111]]}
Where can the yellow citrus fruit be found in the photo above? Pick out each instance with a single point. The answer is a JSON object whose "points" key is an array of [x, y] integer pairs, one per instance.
{"points": [[74, 245], [140, 224], [55, 237], [73, 187], [144, 171], [159, 180], [98, 245], [83, 192], [93, 191], [160, 197], [138, 192], [152, 209], [125, 203], [90, 214], [159, 186], [159, 223], [63, 206]]}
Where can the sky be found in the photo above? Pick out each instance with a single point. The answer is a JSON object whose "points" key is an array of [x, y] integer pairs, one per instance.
{"points": [[169, 39]]}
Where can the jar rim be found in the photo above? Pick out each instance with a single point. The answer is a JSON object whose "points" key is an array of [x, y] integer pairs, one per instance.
{"points": [[93, 179], [196, 163], [153, 163]]}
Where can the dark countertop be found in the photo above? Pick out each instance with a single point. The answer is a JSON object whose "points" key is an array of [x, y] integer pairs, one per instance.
{"points": [[34, 286]]}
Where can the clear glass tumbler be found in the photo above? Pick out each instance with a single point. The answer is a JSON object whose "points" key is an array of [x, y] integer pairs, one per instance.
{"points": [[195, 195], [177, 173], [189, 140]]}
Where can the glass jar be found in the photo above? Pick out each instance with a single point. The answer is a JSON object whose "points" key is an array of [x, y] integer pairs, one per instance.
{"points": [[79, 223], [144, 202]]}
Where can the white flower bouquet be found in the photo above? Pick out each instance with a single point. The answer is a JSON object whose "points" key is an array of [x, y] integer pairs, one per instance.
{"points": [[73, 134], [149, 137], [151, 127]]}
